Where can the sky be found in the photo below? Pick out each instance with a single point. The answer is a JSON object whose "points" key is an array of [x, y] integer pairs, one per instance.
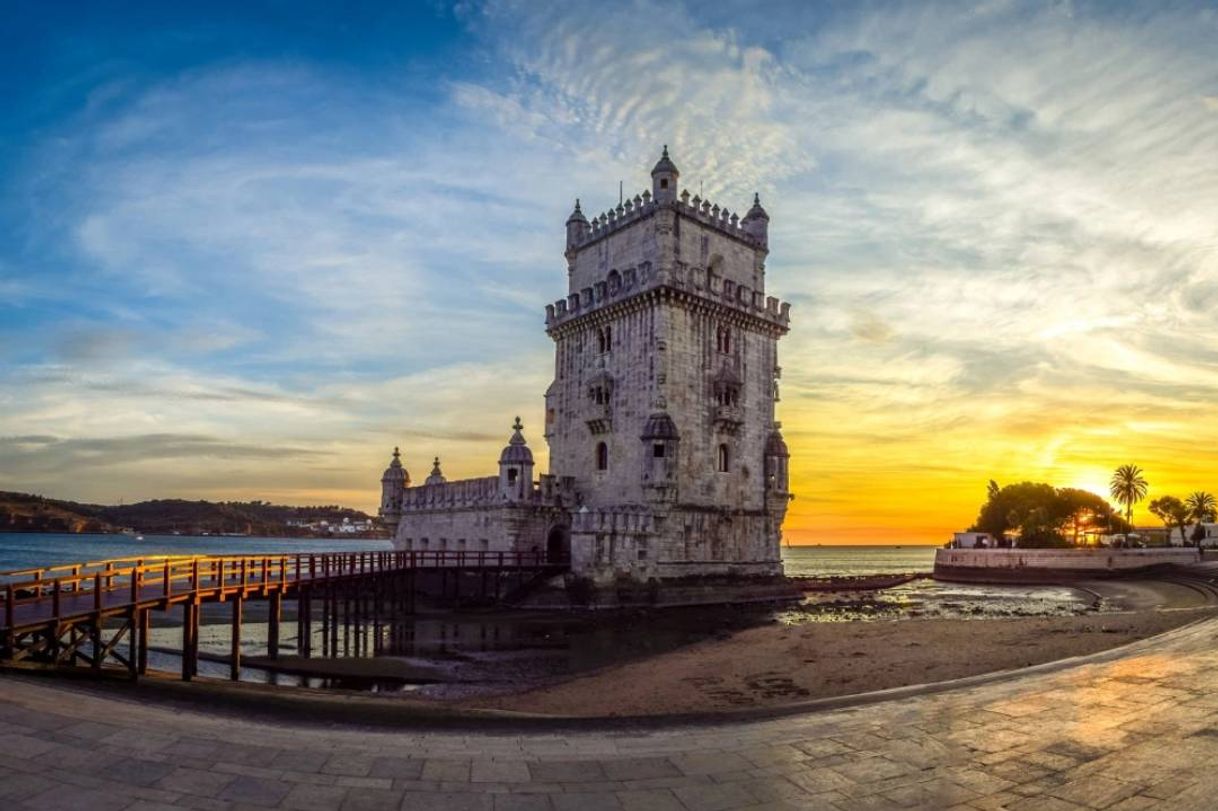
{"points": [[246, 249]]}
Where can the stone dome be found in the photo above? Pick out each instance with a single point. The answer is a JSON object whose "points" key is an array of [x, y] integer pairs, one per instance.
{"points": [[577, 215], [660, 426], [395, 472], [516, 452], [756, 212], [665, 164]]}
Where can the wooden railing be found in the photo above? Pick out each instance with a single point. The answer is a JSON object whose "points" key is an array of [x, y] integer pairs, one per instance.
{"points": [[174, 575]]}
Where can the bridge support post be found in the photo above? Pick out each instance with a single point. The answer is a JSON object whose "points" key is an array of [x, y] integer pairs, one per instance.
{"points": [[304, 607], [234, 655], [190, 633], [141, 656], [96, 629], [274, 615]]}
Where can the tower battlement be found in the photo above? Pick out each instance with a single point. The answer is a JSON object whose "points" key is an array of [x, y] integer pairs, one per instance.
{"points": [[641, 206]]}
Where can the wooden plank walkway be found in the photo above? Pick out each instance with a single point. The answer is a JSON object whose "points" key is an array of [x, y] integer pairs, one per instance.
{"points": [[59, 615]]}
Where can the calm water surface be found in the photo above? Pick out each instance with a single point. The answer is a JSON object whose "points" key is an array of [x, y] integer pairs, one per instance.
{"points": [[30, 550], [20, 550]]}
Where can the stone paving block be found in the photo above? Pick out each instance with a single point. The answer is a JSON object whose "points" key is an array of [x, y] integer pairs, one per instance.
{"points": [[348, 765], [639, 768], [372, 799], [446, 771], [314, 798], [585, 802], [498, 771], [649, 800], [396, 768], [299, 760], [1045, 803], [522, 802], [137, 771], [25, 746], [567, 771], [195, 782], [1094, 792], [1136, 803], [718, 797], [138, 740], [447, 801], [255, 791], [149, 805], [709, 762], [74, 798], [16, 786]]}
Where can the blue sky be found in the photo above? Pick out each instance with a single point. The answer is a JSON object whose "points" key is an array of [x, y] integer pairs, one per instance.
{"points": [[247, 248]]}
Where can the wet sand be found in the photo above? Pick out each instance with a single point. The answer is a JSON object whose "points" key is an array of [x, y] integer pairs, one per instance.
{"points": [[781, 664]]}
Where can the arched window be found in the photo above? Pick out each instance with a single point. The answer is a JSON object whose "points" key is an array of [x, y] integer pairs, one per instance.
{"points": [[723, 340], [512, 473], [602, 456], [722, 461]]}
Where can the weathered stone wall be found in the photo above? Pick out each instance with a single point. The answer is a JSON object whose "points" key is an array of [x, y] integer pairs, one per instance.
{"points": [[502, 528]]}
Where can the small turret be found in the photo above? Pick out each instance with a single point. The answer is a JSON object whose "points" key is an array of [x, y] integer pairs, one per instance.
{"points": [[756, 222], [661, 442], [777, 478], [516, 467], [393, 482], [577, 226], [436, 476], [664, 179]]}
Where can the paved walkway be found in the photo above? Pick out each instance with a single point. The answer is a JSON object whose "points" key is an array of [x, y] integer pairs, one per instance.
{"points": [[1137, 732]]}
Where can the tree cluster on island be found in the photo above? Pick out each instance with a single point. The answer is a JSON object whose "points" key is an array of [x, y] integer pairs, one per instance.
{"points": [[1039, 515], [24, 512]]}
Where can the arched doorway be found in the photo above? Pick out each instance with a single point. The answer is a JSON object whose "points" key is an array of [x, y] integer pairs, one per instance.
{"points": [[558, 545]]}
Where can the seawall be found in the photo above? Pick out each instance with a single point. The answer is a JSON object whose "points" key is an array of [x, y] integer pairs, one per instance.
{"points": [[1054, 565]]}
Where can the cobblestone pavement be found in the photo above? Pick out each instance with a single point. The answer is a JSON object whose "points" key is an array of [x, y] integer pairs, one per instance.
{"points": [[1138, 731]]}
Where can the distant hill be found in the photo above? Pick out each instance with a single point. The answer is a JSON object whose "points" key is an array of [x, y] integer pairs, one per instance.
{"points": [[23, 512]]}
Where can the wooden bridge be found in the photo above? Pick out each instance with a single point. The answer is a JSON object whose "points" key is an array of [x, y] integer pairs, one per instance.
{"points": [[83, 613]]}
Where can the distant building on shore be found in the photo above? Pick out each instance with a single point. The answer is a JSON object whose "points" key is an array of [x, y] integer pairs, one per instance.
{"points": [[665, 458]]}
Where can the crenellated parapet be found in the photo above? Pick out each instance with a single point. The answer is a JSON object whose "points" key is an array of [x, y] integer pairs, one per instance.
{"points": [[620, 287], [479, 492], [642, 206]]}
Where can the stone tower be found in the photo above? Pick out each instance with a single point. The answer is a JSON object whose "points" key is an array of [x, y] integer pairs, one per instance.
{"points": [[394, 482], [661, 412]]}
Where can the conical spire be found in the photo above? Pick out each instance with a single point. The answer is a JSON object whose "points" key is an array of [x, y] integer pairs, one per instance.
{"points": [[436, 477]]}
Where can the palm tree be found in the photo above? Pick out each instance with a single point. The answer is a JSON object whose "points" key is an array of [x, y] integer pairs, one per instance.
{"points": [[1201, 506], [1128, 487]]}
